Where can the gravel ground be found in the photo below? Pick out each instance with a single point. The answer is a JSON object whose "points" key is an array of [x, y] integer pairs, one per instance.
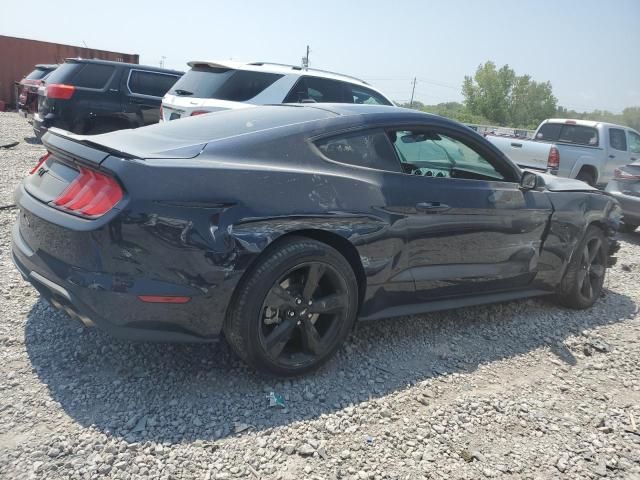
{"points": [[519, 390]]}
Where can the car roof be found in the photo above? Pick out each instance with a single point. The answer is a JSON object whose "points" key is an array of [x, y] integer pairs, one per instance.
{"points": [[282, 68], [122, 64], [584, 123]]}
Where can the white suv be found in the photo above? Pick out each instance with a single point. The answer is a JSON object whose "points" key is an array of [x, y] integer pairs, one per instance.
{"points": [[212, 86]]}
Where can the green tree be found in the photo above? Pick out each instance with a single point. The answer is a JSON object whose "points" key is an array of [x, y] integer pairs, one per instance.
{"points": [[506, 98]]}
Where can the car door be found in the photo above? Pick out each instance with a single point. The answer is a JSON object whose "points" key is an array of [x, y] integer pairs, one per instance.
{"points": [[618, 152], [634, 145], [143, 95], [471, 229]]}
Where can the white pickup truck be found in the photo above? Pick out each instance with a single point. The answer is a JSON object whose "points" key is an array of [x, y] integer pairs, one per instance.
{"points": [[586, 150]]}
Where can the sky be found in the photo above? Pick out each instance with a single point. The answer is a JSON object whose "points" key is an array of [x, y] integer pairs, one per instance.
{"points": [[589, 50]]}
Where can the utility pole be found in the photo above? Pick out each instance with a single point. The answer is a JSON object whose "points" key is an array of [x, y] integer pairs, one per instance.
{"points": [[305, 59], [413, 90], [162, 58]]}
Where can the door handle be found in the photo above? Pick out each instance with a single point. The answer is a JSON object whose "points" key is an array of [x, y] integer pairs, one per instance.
{"points": [[612, 156], [432, 207], [516, 145], [633, 159]]}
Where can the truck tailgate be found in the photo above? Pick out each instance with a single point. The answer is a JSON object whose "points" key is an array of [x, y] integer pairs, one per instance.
{"points": [[524, 153]]}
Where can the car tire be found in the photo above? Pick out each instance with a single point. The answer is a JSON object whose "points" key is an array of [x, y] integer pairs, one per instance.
{"points": [[275, 301], [583, 281], [586, 177], [627, 227]]}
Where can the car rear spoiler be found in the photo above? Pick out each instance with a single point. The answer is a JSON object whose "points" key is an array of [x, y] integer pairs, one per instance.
{"points": [[77, 147]]}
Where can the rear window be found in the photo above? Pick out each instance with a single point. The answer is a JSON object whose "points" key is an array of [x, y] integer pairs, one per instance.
{"points": [[150, 83], [87, 75], [63, 73], [93, 76], [38, 74], [568, 133], [223, 83]]}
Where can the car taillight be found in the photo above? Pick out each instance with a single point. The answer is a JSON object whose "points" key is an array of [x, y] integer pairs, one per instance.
{"points": [[60, 91], [40, 162], [91, 194], [553, 161], [199, 112], [622, 175]]}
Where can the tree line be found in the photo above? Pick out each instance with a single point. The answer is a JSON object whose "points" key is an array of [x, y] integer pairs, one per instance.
{"points": [[498, 96]]}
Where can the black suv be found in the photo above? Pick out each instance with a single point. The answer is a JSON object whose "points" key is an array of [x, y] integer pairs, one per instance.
{"points": [[98, 96]]}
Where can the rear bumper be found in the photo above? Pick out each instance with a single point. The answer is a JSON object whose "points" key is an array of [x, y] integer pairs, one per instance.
{"points": [[630, 204], [122, 315], [40, 125]]}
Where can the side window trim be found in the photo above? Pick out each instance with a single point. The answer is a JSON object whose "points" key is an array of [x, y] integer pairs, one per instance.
{"points": [[142, 95]]}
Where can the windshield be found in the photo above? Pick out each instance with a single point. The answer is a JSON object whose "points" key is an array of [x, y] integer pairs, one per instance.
{"points": [[222, 83]]}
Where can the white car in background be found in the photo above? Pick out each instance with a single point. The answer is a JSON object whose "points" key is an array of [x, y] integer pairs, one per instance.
{"points": [[212, 86]]}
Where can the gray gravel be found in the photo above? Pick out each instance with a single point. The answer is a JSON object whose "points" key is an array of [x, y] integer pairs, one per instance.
{"points": [[519, 390]]}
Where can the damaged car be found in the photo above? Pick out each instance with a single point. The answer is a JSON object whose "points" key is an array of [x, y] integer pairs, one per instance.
{"points": [[278, 227]]}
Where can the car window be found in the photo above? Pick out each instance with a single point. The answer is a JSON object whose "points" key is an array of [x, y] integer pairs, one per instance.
{"points": [[568, 133], [320, 90], [634, 142], [93, 75], [150, 83], [370, 149], [364, 95], [38, 74], [617, 139], [203, 81], [64, 73], [433, 154]]}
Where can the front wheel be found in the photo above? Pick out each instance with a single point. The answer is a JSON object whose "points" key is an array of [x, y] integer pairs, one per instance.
{"points": [[294, 308], [584, 278]]}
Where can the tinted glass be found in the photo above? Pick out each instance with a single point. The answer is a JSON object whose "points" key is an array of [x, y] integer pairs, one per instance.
{"points": [[321, 90], [364, 149], [568, 133], [617, 139], [364, 95], [223, 84], [63, 73], [150, 83], [634, 142], [37, 74], [438, 155], [93, 76]]}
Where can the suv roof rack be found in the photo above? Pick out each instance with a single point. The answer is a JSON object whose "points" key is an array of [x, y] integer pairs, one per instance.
{"points": [[296, 67]]}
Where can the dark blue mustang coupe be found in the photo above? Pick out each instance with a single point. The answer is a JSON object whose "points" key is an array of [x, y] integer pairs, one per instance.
{"points": [[280, 226]]}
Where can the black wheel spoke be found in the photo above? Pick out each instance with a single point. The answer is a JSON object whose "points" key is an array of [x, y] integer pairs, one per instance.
{"points": [[278, 338], [279, 297], [581, 278], [314, 275], [594, 249], [311, 340], [597, 270], [586, 288], [329, 304]]}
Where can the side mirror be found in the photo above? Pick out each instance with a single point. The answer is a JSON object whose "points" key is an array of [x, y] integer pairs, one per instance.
{"points": [[529, 180]]}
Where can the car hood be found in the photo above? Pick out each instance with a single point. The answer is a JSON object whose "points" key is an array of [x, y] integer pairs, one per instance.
{"points": [[556, 184]]}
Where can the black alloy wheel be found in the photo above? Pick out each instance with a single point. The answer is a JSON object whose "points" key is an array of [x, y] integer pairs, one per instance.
{"points": [[302, 313], [294, 308], [584, 278], [590, 276]]}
